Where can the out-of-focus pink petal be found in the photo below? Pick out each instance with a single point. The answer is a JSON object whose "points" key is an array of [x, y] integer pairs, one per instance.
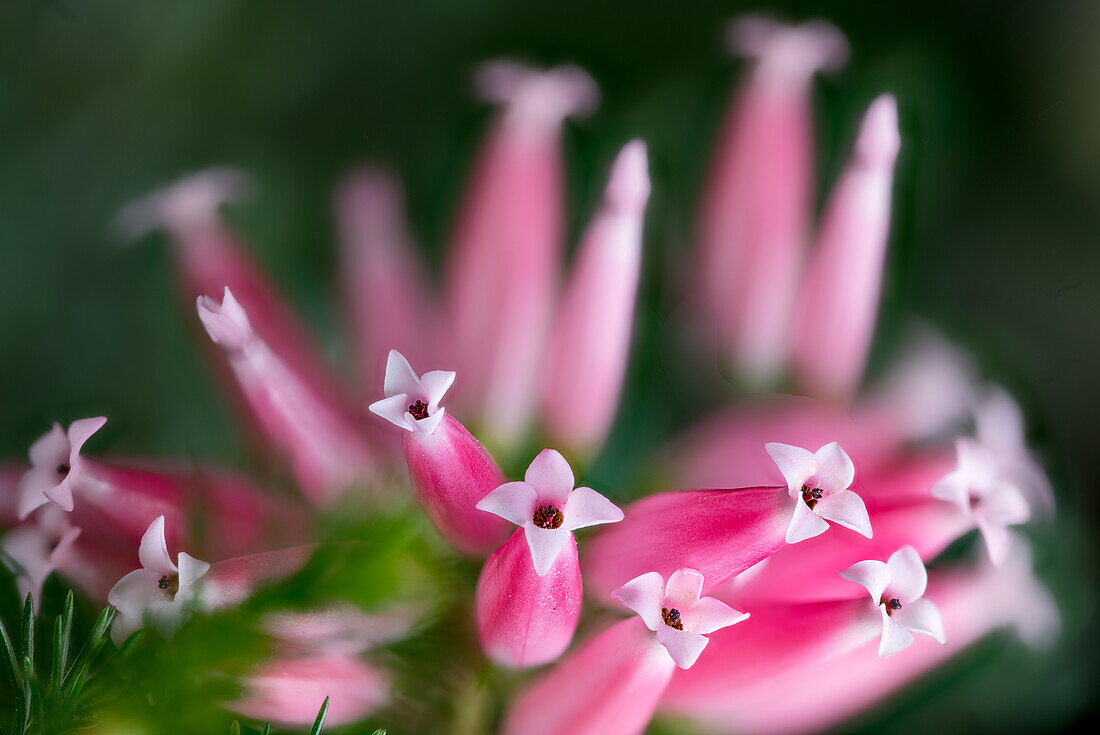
{"points": [[502, 273], [684, 646], [524, 618], [33, 486], [289, 691], [608, 686], [551, 477], [720, 533], [908, 578], [153, 551], [545, 545], [644, 595], [327, 449], [384, 281], [451, 472], [847, 509], [230, 581], [586, 507], [758, 198], [587, 353], [512, 501], [51, 448], [838, 300]]}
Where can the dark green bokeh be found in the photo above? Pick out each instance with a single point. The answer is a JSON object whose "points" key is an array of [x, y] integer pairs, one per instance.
{"points": [[994, 237]]}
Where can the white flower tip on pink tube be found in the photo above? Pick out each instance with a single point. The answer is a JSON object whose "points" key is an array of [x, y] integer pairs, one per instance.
{"points": [[226, 323], [189, 203], [56, 466], [548, 508], [677, 612], [897, 587], [798, 51], [879, 139], [534, 95], [412, 401], [818, 483]]}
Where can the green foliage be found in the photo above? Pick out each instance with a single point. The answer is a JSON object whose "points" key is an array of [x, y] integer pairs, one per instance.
{"points": [[51, 691]]}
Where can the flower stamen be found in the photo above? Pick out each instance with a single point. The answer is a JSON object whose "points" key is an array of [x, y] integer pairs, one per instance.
{"points": [[672, 618], [891, 605], [63, 468], [548, 516], [811, 495], [419, 410]]}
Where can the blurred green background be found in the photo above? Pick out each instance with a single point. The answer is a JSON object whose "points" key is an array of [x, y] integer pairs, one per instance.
{"points": [[994, 238]]}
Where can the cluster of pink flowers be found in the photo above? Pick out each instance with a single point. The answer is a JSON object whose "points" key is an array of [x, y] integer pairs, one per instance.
{"points": [[803, 558]]}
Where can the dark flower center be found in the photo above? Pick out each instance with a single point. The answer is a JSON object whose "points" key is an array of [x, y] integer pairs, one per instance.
{"points": [[891, 605], [171, 585], [547, 516], [63, 468], [672, 618], [419, 410], [811, 495]]}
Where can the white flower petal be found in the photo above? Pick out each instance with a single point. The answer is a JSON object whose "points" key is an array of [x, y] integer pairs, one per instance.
{"points": [[804, 523], [136, 592], [512, 501], [684, 646], [32, 489], [847, 509], [683, 588], [644, 595], [400, 377], [61, 494], [872, 574], [191, 570], [908, 577], [895, 636], [1004, 505], [393, 409], [153, 552], [81, 430], [551, 477], [952, 488], [998, 540], [586, 507], [713, 614], [796, 464], [922, 616], [50, 449], [835, 470], [545, 545], [436, 383], [427, 426]]}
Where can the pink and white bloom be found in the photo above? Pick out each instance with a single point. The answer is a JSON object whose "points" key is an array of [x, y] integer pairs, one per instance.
{"points": [[1000, 427], [161, 591], [56, 466], [587, 353], [548, 508], [412, 401], [677, 612], [837, 302], [326, 448], [818, 482], [897, 588], [529, 592], [982, 492], [35, 549], [758, 200]]}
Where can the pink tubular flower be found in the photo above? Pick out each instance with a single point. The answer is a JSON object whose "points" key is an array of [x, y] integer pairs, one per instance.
{"points": [[384, 282], [756, 207], [449, 468], [289, 691], [56, 466], [897, 588], [838, 301], [529, 593], [35, 549], [326, 449], [818, 483], [612, 684], [590, 342], [502, 270]]}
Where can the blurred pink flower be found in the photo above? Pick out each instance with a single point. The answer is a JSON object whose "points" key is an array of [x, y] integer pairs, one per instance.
{"points": [[56, 465]]}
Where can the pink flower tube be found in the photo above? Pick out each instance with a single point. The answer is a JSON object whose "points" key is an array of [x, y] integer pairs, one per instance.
{"points": [[384, 282], [757, 202], [588, 349], [502, 273], [449, 469], [327, 450], [529, 592], [838, 301]]}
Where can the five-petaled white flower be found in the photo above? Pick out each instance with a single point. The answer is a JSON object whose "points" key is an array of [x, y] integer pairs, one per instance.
{"points": [[676, 612], [56, 466], [897, 587], [160, 590], [412, 402], [548, 508], [818, 483], [979, 487]]}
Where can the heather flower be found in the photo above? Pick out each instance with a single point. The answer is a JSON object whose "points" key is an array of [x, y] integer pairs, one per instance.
{"points": [[35, 549], [412, 401], [56, 466], [818, 483]]}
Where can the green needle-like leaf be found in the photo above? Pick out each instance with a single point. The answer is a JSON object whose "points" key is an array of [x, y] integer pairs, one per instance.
{"points": [[320, 721]]}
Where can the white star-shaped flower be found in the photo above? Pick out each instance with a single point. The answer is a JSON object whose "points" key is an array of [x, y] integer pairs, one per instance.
{"points": [[412, 402], [160, 590], [56, 466], [548, 508], [897, 587], [818, 482], [676, 612]]}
